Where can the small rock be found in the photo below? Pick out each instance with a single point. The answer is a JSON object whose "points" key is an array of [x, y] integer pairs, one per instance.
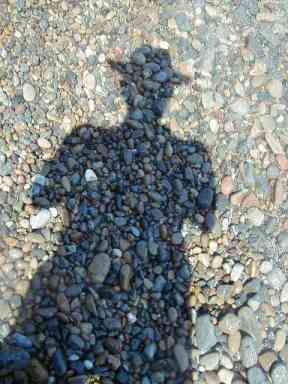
{"points": [[59, 363], [205, 198], [37, 372], [225, 376], [284, 293], [181, 357], [43, 143], [5, 311], [41, 219], [282, 240], [150, 351], [248, 352], [279, 373], [125, 277], [237, 271], [205, 333], [240, 106], [13, 359], [283, 162], [256, 376], [255, 216], [63, 303], [274, 143], [21, 341], [210, 361], [28, 92], [89, 81], [90, 176], [99, 268], [275, 88], [234, 341], [227, 185], [139, 59], [280, 340], [276, 278], [267, 359], [229, 324]]}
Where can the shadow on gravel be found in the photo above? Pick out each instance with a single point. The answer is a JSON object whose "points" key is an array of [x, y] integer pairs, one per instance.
{"points": [[113, 300]]}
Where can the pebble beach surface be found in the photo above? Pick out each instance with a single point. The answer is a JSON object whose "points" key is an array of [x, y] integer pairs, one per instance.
{"points": [[143, 192]]}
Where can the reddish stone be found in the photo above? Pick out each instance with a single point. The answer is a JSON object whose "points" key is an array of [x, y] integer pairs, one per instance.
{"points": [[227, 185], [283, 162], [250, 201]]}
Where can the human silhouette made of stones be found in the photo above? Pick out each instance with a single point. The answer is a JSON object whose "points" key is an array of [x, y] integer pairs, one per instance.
{"points": [[112, 301]]}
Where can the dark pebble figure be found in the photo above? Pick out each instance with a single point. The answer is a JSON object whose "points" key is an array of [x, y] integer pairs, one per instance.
{"points": [[112, 302]]}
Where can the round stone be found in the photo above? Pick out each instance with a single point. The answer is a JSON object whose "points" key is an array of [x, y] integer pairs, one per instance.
{"points": [[28, 92]]}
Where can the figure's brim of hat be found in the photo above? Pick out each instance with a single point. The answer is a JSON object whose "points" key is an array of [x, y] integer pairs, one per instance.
{"points": [[178, 78]]}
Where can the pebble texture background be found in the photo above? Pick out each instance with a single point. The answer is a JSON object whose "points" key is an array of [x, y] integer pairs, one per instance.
{"points": [[155, 252]]}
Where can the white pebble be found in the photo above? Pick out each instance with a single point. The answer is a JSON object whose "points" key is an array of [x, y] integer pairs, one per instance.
{"points": [[88, 364], [237, 271], [90, 176], [89, 81], [28, 92], [131, 318], [266, 267]]}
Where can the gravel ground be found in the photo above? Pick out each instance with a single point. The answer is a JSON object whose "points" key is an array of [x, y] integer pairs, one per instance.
{"points": [[143, 192]]}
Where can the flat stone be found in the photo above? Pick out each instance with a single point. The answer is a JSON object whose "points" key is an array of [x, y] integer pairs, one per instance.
{"points": [[205, 333], [210, 361], [255, 375], [229, 324], [99, 268], [41, 219], [28, 92], [248, 352], [240, 106], [181, 357]]}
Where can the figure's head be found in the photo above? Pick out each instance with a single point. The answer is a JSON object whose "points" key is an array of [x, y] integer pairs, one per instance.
{"points": [[148, 81]]}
